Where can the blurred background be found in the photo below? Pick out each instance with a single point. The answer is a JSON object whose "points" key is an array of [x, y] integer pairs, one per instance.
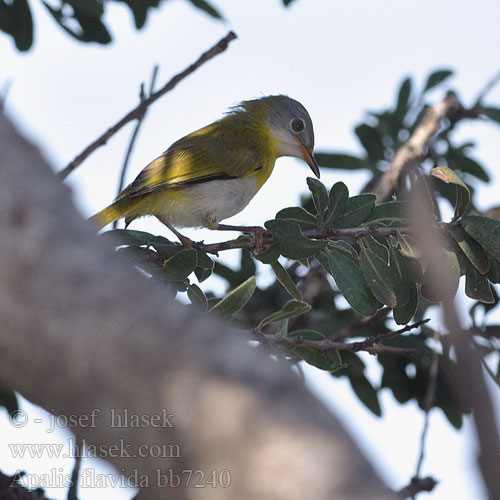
{"points": [[340, 59]]}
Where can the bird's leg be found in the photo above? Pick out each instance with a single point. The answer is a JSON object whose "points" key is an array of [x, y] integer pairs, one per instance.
{"points": [[187, 242], [257, 231]]}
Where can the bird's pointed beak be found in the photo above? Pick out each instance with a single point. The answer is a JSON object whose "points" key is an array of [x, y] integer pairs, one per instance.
{"points": [[308, 158]]}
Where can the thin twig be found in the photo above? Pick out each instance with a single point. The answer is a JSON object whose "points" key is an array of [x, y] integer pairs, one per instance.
{"points": [[140, 120], [371, 345], [219, 47], [353, 328], [75, 474], [487, 88], [428, 401], [320, 233]]}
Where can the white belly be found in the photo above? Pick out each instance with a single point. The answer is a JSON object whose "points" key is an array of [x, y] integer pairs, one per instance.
{"points": [[208, 203]]}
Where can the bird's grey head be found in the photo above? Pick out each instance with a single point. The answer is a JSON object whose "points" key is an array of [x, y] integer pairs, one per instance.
{"points": [[290, 125]]}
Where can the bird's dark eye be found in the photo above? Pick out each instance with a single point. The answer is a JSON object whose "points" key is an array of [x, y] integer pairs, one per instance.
{"points": [[297, 125]]}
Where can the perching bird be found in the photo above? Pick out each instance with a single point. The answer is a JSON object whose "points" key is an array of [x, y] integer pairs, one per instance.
{"points": [[213, 173]]}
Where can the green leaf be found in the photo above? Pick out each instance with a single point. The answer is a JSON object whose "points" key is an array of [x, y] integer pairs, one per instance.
{"points": [[485, 231], [338, 197], [196, 296], [291, 309], [329, 360], [471, 248], [477, 287], [402, 105], [206, 7], [468, 165], [352, 283], [340, 161], [403, 313], [357, 210], [181, 265], [463, 194], [202, 274], [390, 213], [446, 264], [23, 32], [383, 280], [319, 195], [436, 78], [286, 280], [269, 256], [290, 240], [236, 299], [366, 393], [298, 215], [494, 272], [491, 113], [135, 238], [371, 140]]}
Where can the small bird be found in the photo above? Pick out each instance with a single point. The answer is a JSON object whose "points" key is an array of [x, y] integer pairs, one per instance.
{"points": [[214, 172]]}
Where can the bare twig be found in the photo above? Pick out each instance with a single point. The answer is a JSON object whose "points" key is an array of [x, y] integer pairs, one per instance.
{"points": [[353, 328], [219, 47], [140, 120], [428, 400], [75, 474], [320, 233], [371, 345], [487, 88]]}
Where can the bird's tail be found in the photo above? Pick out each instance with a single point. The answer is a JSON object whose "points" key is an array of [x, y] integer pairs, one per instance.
{"points": [[115, 211]]}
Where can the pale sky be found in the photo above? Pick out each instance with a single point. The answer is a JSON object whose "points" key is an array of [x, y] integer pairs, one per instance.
{"points": [[339, 58]]}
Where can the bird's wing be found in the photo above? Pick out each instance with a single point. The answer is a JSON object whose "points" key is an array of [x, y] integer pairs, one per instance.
{"points": [[197, 158]]}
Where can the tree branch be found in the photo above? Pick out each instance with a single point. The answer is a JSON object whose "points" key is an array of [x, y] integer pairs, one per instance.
{"points": [[218, 48], [412, 151], [371, 345]]}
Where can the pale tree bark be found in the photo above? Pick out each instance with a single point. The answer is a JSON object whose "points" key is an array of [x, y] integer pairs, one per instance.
{"points": [[82, 330]]}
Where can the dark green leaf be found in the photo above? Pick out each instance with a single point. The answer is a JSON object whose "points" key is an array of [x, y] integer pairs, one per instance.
{"points": [[204, 261], [352, 283], [485, 231], [269, 256], [23, 32], [468, 165], [298, 215], [338, 197], [372, 142], [286, 280], [202, 274], [491, 113], [494, 273], [383, 280], [340, 161], [290, 240], [390, 213], [329, 360], [402, 105], [206, 7], [291, 309], [366, 393], [357, 210], [181, 265], [436, 78], [463, 194], [93, 28], [477, 287], [472, 250], [236, 299], [403, 313], [196, 296], [319, 195], [134, 238]]}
